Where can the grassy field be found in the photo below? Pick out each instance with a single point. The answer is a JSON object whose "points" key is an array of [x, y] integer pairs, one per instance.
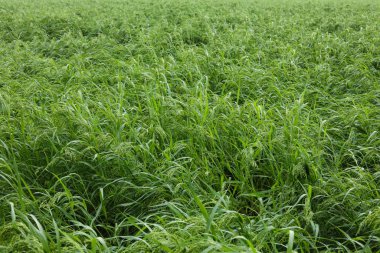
{"points": [[189, 126]]}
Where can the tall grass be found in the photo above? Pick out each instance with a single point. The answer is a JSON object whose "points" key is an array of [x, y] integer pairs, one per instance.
{"points": [[189, 126]]}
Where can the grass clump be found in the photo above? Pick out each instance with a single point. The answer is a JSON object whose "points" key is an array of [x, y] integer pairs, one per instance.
{"points": [[188, 126]]}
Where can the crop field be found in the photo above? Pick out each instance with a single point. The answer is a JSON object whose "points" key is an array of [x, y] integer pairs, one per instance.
{"points": [[189, 126]]}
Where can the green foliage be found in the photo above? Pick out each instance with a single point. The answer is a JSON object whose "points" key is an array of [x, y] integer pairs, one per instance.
{"points": [[189, 126]]}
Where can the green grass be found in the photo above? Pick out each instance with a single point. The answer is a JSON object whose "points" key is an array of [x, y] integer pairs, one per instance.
{"points": [[189, 126]]}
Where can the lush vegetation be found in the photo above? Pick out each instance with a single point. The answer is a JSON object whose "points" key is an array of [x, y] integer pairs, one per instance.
{"points": [[189, 126]]}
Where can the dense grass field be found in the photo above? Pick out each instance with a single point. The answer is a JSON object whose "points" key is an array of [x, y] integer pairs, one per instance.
{"points": [[189, 126]]}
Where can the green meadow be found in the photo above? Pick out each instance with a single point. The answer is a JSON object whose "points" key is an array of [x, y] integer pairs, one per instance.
{"points": [[189, 126]]}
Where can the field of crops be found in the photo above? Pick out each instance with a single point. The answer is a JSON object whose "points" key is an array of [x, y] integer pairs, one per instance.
{"points": [[189, 126]]}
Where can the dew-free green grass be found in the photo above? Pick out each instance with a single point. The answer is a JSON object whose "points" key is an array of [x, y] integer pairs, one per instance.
{"points": [[189, 126]]}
